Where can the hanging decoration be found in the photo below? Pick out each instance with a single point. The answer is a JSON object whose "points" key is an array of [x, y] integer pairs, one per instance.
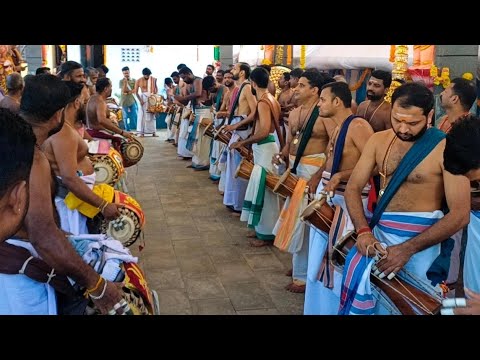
{"points": [[216, 52], [44, 55], [289, 55], [268, 51], [279, 55], [360, 80], [423, 58], [303, 56], [400, 67]]}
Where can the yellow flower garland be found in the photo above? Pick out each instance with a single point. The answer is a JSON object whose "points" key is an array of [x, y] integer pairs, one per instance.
{"points": [[443, 79], [303, 55]]}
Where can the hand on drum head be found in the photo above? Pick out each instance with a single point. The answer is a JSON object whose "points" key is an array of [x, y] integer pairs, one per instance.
{"points": [[277, 159], [128, 135], [227, 128], [236, 145], [110, 212], [397, 257], [332, 185], [112, 296], [367, 242]]}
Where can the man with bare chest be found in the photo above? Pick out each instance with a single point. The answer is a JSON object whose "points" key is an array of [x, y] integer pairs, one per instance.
{"points": [[261, 214], [147, 85], [348, 136], [414, 183], [67, 153], [305, 153], [98, 123], [42, 106], [375, 109], [241, 115]]}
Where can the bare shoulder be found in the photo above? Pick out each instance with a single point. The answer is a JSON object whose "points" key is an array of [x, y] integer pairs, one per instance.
{"points": [[382, 138], [361, 108], [360, 123], [40, 167]]}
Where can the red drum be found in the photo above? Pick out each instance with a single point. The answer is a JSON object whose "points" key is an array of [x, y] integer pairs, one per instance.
{"points": [[127, 228], [108, 167]]}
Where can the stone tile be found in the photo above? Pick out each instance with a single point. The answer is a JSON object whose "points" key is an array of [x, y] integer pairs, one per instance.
{"points": [[248, 296], [222, 254], [196, 265], [191, 247], [286, 302], [216, 238], [204, 287], [263, 261], [174, 302], [273, 279], [179, 232], [259, 312], [150, 204], [200, 213], [180, 219], [212, 307], [165, 279], [235, 272], [211, 225], [160, 260]]}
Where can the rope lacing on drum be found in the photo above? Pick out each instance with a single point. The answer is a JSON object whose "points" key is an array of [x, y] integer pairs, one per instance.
{"points": [[24, 266]]}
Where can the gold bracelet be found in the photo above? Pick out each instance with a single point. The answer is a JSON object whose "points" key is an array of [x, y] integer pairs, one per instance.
{"points": [[89, 291], [365, 233], [104, 206], [99, 207]]}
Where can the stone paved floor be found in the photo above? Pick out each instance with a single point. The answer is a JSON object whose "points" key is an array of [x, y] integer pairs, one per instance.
{"points": [[197, 256]]}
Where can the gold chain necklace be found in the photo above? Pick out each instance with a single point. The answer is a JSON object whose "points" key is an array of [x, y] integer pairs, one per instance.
{"points": [[384, 166], [374, 111], [304, 123]]}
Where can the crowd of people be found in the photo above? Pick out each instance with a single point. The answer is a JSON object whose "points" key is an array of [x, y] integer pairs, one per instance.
{"points": [[380, 173]]}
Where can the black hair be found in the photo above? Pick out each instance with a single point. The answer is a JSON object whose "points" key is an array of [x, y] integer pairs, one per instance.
{"points": [[462, 153], [75, 90], [42, 97], [102, 84], [68, 67], [297, 73], [413, 94], [125, 68], [466, 92], [168, 81], [175, 74], [208, 82], [246, 68], [42, 70], [185, 71], [17, 145], [260, 76], [315, 79], [340, 90], [146, 71], [179, 66], [385, 76]]}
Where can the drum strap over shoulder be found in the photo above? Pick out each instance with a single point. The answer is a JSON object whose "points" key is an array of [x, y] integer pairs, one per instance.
{"points": [[18, 260], [412, 158], [305, 138]]}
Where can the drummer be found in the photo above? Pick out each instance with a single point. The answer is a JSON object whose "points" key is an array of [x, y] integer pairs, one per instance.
{"points": [[348, 136], [261, 215], [147, 85], [67, 153], [304, 152], [42, 106], [98, 123], [409, 217]]}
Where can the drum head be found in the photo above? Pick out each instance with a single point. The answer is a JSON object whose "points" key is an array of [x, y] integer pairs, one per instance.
{"points": [[125, 229], [310, 209], [239, 167], [152, 100], [281, 180], [105, 171], [134, 151]]}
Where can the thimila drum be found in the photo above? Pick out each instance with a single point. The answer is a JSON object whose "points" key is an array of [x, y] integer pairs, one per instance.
{"points": [[108, 168]]}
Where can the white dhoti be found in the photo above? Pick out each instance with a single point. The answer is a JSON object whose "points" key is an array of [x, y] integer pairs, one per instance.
{"points": [[319, 299], [73, 221], [235, 188], [200, 143], [183, 136], [20, 295], [147, 123], [471, 266], [292, 236], [216, 150], [261, 205]]}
